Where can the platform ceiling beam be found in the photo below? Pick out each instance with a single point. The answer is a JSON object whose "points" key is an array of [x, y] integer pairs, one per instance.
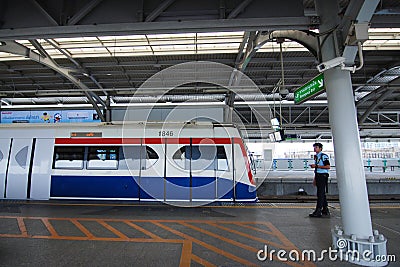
{"points": [[18, 49], [301, 23], [83, 12], [106, 17], [49, 18], [81, 69], [234, 13], [374, 105], [381, 93], [157, 12]]}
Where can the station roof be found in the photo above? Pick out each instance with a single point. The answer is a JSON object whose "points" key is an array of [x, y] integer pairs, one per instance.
{"points": [[113, 54]]}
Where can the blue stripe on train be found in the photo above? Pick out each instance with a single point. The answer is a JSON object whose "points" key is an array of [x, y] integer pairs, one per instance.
{"points": [[94, 186], [176, 188]]}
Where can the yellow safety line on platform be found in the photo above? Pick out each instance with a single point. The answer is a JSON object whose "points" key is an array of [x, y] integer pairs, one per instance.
{"points": [[206, 245], [233, 242], [246, 247], [22, 227], [82, 229], [112, 229], [254, 228], [279, 234], [141, 229], [286, 241], [267, 242], [187, 255], [202, 261], [131, 220], [50, 228]]}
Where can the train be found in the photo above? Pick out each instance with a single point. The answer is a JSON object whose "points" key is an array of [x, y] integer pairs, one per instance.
{"points": [[188, 161]]}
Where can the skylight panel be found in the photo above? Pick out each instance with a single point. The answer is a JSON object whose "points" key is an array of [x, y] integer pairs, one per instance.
{"points": [[171, 36], [184, 43], [7, 56], [173, 47], [382, 45], [383, 30], [228, 46], [87, 50], [288, 46], [171, 42], [122, 37]]}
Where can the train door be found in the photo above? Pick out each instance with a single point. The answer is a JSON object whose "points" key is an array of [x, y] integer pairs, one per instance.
{"points": [[225, 164], [178, 165], [19, 168], [41, 169], [129, 167], [5, 145], [152, 170], [204, 164]]}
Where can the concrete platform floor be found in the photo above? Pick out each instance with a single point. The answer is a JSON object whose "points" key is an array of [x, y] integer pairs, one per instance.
{"points": [[126, 234]]}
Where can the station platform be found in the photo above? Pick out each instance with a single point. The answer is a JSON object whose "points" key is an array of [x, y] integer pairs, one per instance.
{"points": [[289, 182], [69, 233]]}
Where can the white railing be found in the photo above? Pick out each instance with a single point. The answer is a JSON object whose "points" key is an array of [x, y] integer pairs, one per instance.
{"points": [[372, 165]]}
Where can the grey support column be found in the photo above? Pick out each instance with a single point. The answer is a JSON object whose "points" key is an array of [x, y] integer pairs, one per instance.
{"points": [[356, 217], [356, 233]]}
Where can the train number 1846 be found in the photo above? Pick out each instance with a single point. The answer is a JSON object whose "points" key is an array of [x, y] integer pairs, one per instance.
{"points": [[165, 133]]}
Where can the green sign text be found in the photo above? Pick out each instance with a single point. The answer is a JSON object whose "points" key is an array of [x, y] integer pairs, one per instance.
{"points": [[310, 89]]}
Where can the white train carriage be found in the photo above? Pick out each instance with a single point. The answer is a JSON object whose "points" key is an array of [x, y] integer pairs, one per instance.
{"points": [[138, 161]]}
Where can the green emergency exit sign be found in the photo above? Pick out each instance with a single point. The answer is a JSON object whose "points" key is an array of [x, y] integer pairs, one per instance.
{"points": [[314, 87]]}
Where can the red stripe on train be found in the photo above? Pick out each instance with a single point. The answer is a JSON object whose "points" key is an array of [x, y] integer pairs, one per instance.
{"points": [[244, 153], [155, 141]]}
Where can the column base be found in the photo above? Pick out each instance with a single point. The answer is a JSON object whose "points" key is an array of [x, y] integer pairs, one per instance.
{"points": [[365, 252]]}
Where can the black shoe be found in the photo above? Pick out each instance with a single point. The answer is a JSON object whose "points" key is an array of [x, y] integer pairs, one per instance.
{"points": [[316, 214], [325, 212]]}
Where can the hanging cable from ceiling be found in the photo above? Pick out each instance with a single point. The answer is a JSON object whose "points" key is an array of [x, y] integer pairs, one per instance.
{"points": [[283, 92]]}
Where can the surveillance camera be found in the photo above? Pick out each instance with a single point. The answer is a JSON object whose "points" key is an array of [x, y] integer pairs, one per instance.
{"points": [[284, 93], [331, 64]]}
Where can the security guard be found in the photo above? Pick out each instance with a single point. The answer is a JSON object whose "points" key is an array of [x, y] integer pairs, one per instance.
{"points": [[321, 171]]}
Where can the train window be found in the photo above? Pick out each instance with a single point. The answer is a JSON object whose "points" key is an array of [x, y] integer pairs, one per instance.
{"points": [[222, 160], [180, 158], [151, 158], [68, 157], [150, 153], [103, 158], [132, 155], [203, 157], [130, 158], [21, 157]]}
